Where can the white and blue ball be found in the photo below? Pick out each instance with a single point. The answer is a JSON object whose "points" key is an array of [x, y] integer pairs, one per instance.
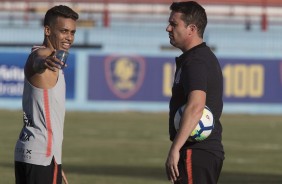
{"points": [[204, 127]]}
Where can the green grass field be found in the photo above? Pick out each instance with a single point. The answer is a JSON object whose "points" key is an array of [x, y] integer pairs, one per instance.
{"points": [[131, 148]]}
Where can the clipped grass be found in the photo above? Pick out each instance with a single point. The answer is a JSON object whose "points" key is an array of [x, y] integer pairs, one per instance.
{"points": [[131, 147]]}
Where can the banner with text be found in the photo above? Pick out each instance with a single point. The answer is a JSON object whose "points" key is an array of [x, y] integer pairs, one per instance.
{"points": [[141, 78], [12, 75]]}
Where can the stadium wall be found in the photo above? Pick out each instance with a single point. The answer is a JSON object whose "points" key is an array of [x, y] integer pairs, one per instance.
{"points": [[106, 81], [128, 65]]}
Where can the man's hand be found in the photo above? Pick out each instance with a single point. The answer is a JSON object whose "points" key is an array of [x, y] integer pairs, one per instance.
{"points": [[51, 62], [171, 165]]}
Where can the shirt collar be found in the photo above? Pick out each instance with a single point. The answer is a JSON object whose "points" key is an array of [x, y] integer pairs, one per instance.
{"points": [[179, 59]]}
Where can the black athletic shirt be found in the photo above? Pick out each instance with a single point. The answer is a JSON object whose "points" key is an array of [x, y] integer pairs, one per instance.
{"points": [[199, 69]]}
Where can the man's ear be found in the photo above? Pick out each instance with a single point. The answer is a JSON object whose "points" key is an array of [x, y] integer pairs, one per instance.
{"points": [[47, 31], [193, 27]]}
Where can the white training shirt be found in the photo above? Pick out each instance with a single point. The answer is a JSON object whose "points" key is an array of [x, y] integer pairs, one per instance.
{"points": [[43, 115]]}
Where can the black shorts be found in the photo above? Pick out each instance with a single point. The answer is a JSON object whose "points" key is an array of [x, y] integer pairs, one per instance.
{"points": [[198, 167], [36, 174]]}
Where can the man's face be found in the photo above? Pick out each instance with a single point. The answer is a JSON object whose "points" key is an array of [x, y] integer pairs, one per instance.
{"points": [[178, 31], [62, 33]]}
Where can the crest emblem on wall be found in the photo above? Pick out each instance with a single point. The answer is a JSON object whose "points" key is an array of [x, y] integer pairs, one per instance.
{"points": [[124, 75]]}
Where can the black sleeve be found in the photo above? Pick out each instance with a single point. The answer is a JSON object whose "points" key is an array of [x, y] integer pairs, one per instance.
{"points": [[194, 76]]}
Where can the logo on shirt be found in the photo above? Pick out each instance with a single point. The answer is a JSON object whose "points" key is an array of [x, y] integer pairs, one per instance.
{"points": [[27, 120], [124, 74], [25, 153], [177, 77], [25, 135]]}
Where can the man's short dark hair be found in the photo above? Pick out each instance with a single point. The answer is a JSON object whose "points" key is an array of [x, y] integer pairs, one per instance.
{"points": [[59, 11], [193, 13]]}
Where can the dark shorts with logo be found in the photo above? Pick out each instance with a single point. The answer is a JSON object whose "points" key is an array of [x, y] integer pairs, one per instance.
{"points": [[36, 174], [198, 167]]}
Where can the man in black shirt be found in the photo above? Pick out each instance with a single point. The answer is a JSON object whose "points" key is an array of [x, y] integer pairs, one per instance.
{"points": [[198, 83]]}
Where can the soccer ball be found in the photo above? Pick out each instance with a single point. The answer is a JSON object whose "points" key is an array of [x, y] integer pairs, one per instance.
{"points": [[203, 128]]}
